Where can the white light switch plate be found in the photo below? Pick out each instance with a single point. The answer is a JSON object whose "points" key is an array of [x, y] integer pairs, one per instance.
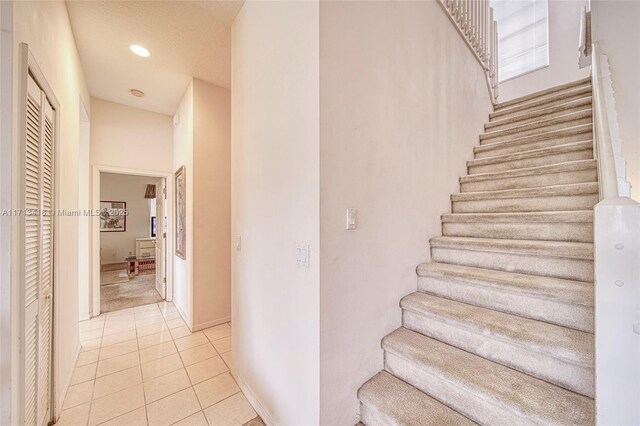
{"points": [[302, 255], [352, 218], [238, 243]]}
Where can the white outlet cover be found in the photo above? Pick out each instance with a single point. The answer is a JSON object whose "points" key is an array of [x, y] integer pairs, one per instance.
{"points": [[302, 255], [352, 218]]}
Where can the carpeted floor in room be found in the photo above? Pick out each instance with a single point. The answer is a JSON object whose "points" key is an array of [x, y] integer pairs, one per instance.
{"points": [[136, 291]]}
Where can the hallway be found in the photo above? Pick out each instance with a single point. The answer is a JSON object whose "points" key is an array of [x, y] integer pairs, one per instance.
{"points": [[142, 366]]}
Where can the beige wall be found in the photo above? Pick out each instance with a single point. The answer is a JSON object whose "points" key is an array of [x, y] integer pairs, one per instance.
{"points": [[275, 193], [402, 103], [128, 137], [116, 246], [615, 27], [45, 27], [564, 31]]}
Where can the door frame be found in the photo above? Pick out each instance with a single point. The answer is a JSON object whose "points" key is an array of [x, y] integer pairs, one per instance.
{"points": [[94, 288], [27, 64]]}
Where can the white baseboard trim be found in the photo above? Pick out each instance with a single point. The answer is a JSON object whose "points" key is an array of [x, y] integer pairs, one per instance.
{"points": [[59, 399], [212, 323], [266, 416], [84, 317]]}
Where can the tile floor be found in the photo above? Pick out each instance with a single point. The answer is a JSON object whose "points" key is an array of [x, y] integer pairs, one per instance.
{"points": [[142, 366]]}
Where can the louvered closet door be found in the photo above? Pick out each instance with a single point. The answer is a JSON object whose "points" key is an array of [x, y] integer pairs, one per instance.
{"points": [[38, 255]]}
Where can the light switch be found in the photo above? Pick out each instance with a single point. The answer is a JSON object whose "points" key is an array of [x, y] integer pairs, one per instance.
{"points": [[352, 218], [238, 243], [302, 255]]}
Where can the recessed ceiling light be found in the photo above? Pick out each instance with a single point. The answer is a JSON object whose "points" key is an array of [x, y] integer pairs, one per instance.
{"points": [[139, 50], [137, 93]]}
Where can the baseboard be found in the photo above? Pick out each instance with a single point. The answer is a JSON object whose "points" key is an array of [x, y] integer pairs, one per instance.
{"points": [[84, 317], [212, 323], [266, 416], [67, 382]]}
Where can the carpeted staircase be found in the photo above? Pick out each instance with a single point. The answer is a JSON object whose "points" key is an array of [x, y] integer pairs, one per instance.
{"points": [[500, 331]]}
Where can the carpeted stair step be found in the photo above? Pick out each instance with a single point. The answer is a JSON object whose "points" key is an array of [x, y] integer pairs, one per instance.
{"points": [[575, 196], [559, 259], [484, 391], [544, 125], [532, 116], [557, 354], [574, 226], [542, 140], [550, 94], [573, 151], [563, 302], [555, 174], [386, 400]]}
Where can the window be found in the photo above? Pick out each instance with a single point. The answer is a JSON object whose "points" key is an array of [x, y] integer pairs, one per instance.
{"points": [[523, 36]]}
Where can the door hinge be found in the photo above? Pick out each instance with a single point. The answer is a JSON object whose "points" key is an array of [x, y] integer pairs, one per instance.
{"points": [[164, 280]]}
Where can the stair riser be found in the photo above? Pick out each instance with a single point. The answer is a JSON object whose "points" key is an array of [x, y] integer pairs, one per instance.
{"points": [[531, 181], [478, 407], [539, 104], [527, 146], [501, 124], [507, 135], [532, 162], [577, 378], [532, 204], [579, 317], [547, 266], [573, 232], [370, 416]]}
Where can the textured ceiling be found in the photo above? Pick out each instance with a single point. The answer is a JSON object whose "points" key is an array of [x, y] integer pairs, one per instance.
{"points": [[185, 38]]}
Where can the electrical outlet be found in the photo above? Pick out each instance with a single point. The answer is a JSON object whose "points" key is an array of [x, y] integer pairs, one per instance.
{"points": [[302, 255], [239, 243], [352, 219]]}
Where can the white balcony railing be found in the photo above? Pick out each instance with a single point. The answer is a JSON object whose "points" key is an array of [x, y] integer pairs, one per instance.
{"points": [[474, 21]]}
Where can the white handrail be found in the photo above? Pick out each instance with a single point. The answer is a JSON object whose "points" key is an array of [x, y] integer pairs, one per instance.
{"points": [[474, 21]]}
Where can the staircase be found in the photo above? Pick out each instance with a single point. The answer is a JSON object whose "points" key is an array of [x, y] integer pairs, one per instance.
{"points": [[500, 331]]}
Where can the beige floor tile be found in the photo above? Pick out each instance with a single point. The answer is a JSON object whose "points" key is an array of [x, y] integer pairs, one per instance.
{"points": [[90, 345], [222, 345], [218, 332], [173, 408], [216, 389], [172, 315], [87, 357], [116, 404], [117, 329], [146, 308], [233, 411], [166, 385], [120, 312], [76, 416], [136, 417], [90, 334], [157, 352], [153, 369], [78, 394], [117, 381], [112, 339], [190, 341], [151, 329], [83, 374], [117, 363], [206, 369], [154, 339], [174, 323], [118, 349], [197, 354], [91, 325], [150, 320], [180, 332], [197, 419], [228, 359]]}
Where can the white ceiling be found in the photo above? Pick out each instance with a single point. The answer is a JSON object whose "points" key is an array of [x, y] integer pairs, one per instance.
{"points": [[185, 38]]}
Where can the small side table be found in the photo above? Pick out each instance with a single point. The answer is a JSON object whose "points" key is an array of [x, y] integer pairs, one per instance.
{"points": [[132, 265]]}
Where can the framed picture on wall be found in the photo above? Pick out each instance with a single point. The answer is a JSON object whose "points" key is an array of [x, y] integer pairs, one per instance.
{"points": [[181, 212], [113, 216]]}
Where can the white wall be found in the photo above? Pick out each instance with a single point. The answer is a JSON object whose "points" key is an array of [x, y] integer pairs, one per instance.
{"points": [[116, 246], [45, 27], [402, 103], [275, 196], [615, 28], [564, 31], [84, 222], [128, 137]]}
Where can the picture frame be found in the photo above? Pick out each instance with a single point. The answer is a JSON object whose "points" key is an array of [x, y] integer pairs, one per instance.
{"points": [[113, 216], [180, 180]]}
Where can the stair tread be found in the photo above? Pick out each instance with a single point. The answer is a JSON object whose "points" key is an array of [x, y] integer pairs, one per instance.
{"points": [[540, 152], [544, 102], [541, 191], [559, 342], [528, 397], [541, 124], [567, 166], [571, 216], [561, 88], [557, 289], [550, 135], [406, 405], [524, 247], [572, 104]]}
